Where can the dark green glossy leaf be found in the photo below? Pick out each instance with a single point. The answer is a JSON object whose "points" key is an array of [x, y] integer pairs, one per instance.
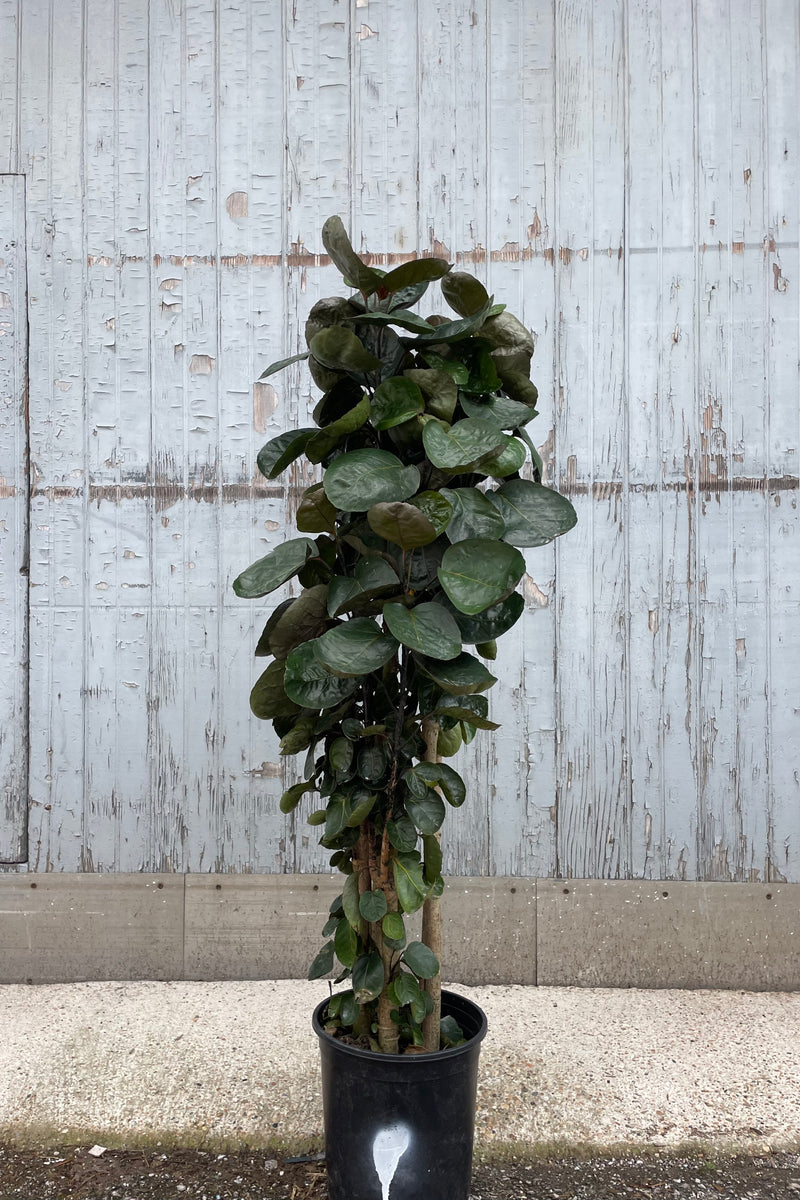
{"points": [[536, 457], [493, 622], [344, 257], [419, 270], [509, 460], [402, 524], [428, 628], [340, 755], [354, 648], [473, 515], [363, 802], [395, 400], [356, 481], [506, 333], [460, 676], [263, 647], [339, 400], [478, 573], [338, 349], [284, 362], [323, 963], [345, 943], [487, 649], [269, 572], [405, 989], [310, 684], [293, 795], [422, 961], [409, 882], [402, 834], [432, 858], [367, 977], [350, 897], [533, 514], [299, 736], [372, 905], [304, 619], [454, 368], [449, 742], [440, 775], [373, 762], [436, 508], [458, 446], [326, 440], [268, 698], [483, 377], [315, 513], [438, 389], [373, 577], [470, 710], [402, 317], [282, 450], [508, 414], [450, 1033], [453, 331], [427, 815], [393, 927], [464, 293], [517, 386]]}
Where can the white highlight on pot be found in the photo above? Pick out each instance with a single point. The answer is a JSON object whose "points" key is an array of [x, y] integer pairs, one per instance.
{"points": [[388, 1148]]}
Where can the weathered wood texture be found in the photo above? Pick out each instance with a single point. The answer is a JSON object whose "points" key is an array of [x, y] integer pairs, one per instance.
{"points": [[624, 173]]}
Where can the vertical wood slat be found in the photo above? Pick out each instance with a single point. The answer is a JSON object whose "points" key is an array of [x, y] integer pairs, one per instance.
{"points": [[14, 498]]}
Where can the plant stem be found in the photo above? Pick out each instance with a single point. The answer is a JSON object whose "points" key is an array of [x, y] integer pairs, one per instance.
{"points": [[432, 918]]}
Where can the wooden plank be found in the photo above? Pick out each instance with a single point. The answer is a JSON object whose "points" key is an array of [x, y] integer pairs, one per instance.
{"points": [[14, 532], [594, 933], [9, 84]]}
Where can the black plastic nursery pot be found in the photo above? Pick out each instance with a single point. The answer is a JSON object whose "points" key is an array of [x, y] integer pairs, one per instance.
{"points": [[400, 1127]]}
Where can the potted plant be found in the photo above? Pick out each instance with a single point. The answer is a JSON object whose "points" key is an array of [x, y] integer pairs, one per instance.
{"points": [[409, 552]]}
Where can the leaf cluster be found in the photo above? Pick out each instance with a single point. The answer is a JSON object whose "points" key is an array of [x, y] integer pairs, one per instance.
{"points": [[408, 561]]}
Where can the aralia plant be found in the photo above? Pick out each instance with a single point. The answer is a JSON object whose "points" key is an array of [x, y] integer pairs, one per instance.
{"points": [[409, 552]]}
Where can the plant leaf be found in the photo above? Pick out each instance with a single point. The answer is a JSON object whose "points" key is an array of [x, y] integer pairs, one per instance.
{"points": [[402, 834], [305, 618], [478, 573], [492, 622], [268, 697], [419, 270], [427, 628], [438, 388], [440, 775], [310, 684], [422, 961], [269, 572], [350, 901], [410, 884], [533, 514], [509, 459], [396, 400], [282, 450], [402, 317], [338, 349], [458, 446], [459, 676], [509, 414], [357, 480], [372, 905], [367, 977], [263, 647], [354, 648], [284, 362], [464, 293], [404, 525], [432, 860], [325, 440], [393, 927], [323, 962], [345, 943], [345, 259], [293, 795], [436, 508], [315, 513], [473, 515], [427, 814]]}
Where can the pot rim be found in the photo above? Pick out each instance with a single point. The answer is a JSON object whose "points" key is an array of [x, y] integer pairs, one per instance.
{"points": [[411, 1059]]}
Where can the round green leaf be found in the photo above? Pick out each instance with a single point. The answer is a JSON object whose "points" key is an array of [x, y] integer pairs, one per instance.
{"points": [[406, 989], [464, 293], [478, 573], [492, 622], [354, 648], [473, 515], [412, 890], [428, 628], [440, 775], [509, 414], [315, 513], [439, 389], [403, 317], [419, 270], [403, 524], [276, 567], [350, 900], [323, 963], [533, 514], [363, 802], [338, 349], [402, 834], [427, 815], [507, 461], [310, 684], [345, 943], [487, 649], [460, 676], [372, 905], [507, 334], [355, 481], [263, 647], [340, 755], [305, 618], [432, 861], [395, 400], [435, 507], [422, 961], [344, 257], [292, 796], [458, 446], [282, 450], [367, 977], [268, 698], [393, 927]]}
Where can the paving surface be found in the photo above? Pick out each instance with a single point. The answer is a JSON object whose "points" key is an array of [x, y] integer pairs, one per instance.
{"points": [[221, 1065]]}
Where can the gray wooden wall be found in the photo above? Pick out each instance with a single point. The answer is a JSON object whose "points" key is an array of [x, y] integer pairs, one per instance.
{"points": [[624, 174]]}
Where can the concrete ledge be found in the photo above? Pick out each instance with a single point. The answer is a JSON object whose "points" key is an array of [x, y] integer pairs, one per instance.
{"points": [[668, 935], [72, 928]]}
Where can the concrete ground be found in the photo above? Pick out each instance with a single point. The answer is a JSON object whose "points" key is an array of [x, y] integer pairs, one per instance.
{"points": [[222, 1064]]}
